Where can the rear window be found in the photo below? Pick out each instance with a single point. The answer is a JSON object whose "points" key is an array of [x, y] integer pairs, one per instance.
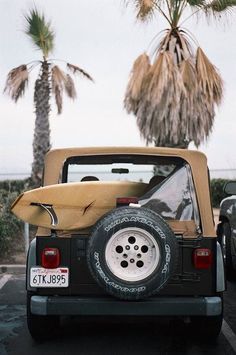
{"points": [[118, 168], [170, 190]]}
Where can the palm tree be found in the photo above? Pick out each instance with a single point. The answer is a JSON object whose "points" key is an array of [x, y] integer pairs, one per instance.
{"points": [[51, 79], [174, 92]]}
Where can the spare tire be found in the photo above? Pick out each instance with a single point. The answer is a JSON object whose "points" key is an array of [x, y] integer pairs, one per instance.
{"points": [[132, 253]]}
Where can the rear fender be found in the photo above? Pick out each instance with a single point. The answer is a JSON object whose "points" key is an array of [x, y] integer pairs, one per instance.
{"points": [[220, 280], [31, 261]]}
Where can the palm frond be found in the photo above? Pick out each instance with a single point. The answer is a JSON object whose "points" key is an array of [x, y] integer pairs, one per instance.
{"points": [[160, 76], [214, 9], [209, 79], [75, 69], [197, 3], [158, 110], [40, 31], [58, 76], [58, 82], [70, 87], [58, 99], [196, 113], [188, 74], [176, 42], [144, 8], [134, 88], [17, 80], [220, 5]]}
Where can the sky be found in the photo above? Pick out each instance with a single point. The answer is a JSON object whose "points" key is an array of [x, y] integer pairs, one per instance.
{"points": [[104, 38]]}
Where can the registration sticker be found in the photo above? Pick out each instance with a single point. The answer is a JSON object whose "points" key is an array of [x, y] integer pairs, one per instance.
{"points": [[41, 277]]}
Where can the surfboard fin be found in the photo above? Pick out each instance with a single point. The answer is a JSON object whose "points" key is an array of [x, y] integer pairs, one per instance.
{"points": [[50, 211]]}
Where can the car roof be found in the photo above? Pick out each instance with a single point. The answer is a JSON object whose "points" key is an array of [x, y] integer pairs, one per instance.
{"points": [[55, 159]]}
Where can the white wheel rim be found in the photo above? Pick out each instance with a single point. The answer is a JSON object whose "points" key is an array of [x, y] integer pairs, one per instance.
{"points": [[132, 254]]}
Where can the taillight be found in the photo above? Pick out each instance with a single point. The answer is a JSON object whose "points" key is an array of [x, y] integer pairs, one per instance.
{"points": [[50, 258], [202, 258], [125, 201]]}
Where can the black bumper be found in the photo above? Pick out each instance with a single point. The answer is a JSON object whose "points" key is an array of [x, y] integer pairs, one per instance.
{"points": [[162, 306]]}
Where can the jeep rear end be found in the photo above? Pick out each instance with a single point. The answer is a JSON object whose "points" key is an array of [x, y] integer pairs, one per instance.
{"points": [[153, 254]]}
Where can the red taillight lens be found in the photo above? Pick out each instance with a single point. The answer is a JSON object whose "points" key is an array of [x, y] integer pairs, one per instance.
{"points": [[50, 258], [125, 201], [202, 258]]}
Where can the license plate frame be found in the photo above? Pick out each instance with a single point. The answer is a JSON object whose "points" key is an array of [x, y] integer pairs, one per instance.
{"points": [[49, 278]]}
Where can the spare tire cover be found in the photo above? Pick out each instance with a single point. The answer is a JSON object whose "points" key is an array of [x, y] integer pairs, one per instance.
{"points": [[132, 253]]}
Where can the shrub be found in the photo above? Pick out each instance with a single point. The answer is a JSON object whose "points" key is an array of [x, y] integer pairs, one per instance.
{"points": [[217, 193], [15, 185], [10, 226]]}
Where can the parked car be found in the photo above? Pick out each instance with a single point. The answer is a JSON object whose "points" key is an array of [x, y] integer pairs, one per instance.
{"points": [[115, 240], [226, 230]]}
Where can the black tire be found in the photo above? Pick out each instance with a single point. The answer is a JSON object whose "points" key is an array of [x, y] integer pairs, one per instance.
{"points": [[224, 231], [41, 327], [159, 262]]}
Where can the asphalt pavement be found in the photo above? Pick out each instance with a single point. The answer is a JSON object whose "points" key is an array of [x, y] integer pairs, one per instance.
{"points": [[105, 336]]}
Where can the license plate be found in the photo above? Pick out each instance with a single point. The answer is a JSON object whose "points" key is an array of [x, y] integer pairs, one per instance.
{"points": [[40, 277]]}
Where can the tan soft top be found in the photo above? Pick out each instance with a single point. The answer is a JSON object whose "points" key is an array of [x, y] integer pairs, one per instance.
{"points": [[55, 159]]}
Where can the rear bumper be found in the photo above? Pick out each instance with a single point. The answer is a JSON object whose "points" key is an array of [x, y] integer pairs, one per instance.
{"points": [[161, 306]]}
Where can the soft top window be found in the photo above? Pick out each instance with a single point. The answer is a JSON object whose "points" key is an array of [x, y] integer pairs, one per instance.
{"points": [[118, 167], [170, 190], [173, 198]]}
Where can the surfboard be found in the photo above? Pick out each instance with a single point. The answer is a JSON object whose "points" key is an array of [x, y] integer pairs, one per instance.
{"points": [[73, 206]]}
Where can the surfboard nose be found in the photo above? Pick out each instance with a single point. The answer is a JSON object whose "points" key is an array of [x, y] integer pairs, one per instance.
{"points": [[16, 202]]}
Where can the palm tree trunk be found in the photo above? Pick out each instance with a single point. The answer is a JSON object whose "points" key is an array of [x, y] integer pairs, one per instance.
{"points": [[41, 140], [170, 144]]}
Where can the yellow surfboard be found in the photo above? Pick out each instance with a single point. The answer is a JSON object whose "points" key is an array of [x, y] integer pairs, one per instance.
{"points": [[72, 206]]}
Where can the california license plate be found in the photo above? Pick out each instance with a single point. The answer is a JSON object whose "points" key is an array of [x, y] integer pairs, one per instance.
{"points": [[40, 277]]}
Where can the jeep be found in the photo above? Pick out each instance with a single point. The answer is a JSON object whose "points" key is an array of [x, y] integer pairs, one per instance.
{"points": [[144, 244]]}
